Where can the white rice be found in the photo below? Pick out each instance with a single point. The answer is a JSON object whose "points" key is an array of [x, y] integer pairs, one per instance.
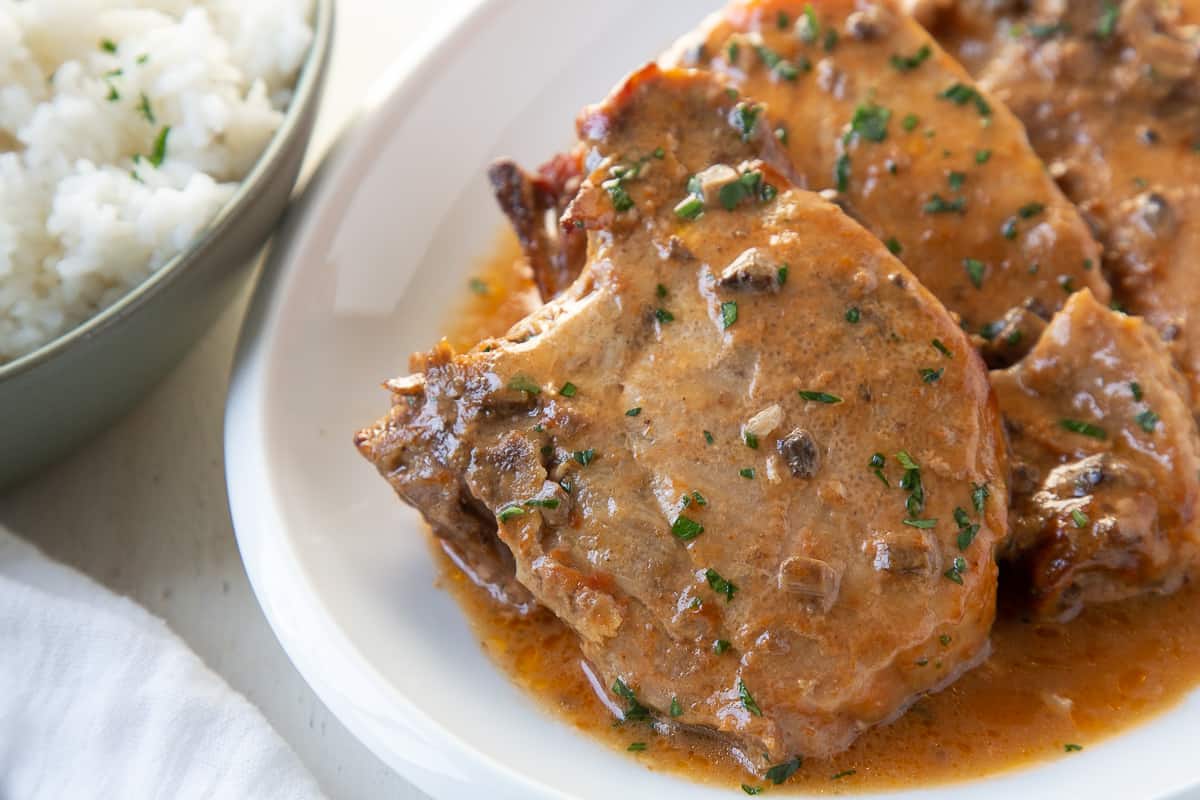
{"points": [[84, 213]]}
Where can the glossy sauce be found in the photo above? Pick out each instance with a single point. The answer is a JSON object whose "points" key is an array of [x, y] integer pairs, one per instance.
{"points": [[1045, 689]]}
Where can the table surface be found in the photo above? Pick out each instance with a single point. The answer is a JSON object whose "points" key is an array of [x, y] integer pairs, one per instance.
{"points": [[143, 510]]}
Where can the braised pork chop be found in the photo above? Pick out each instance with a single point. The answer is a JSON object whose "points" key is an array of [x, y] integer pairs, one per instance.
{"points": [[746, 457], [871, 107], [1110, 95], [1105, 458]]}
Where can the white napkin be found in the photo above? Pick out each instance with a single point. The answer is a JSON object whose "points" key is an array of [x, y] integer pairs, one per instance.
{"points": [[98, 699]]}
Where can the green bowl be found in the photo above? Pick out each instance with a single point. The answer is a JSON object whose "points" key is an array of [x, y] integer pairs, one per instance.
{"points": [[71, 388]]}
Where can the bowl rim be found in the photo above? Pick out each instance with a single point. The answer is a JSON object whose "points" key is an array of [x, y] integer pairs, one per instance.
{"points": [[305, 92]]}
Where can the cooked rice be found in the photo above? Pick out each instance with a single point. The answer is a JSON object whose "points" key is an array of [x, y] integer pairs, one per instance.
{"points": [[124, 127]]}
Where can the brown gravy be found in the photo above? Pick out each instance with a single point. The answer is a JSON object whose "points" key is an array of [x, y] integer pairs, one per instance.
{"points": [[1046, 690]]}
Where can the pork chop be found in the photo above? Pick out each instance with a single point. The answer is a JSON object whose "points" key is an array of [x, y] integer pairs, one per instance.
{"points": [[1110, 95], [746, 457], [870, 107], [1105, 458]]}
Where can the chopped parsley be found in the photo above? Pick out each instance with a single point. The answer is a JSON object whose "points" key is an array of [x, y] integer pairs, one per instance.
{"points": [[689, 207], [745, 118], [1009, 229], [584, 457], [841, 172], [870, 122], [956, 571], [538, 502], [108, 45], [940, 205], [700, 499], [893, 245], [778, 65], [920, 523], [1072, 748], [956, 180], [911, 482], [568, 389], [1083, 428], [508, 512], [748, 185], [634, 710], [1079, 518], [748, 701], [876, 465], [685, 529], [708, 437], [751, 790], [966, 530], [662, 315], [620, 196], [846, 773], [1148, 420], [853, 315], [961, 94], [478, 286], [821, 397], [720, 585], [944, 640], [729, 314], [720, 646], [676, 709], [523, 383], [941, 348], [146, 111], [1107, 23], [660, 290], [808, 28], [929, 375], [782, 20], [660, 153], [781, 772], [909, 63], [979, 496], [910, 122], [781, 275], [975, 269], [1136, 388], [982, 156], [633, 412], [636, 747], [747, 473], [782, 135], [751, 440], [1030, 210]]}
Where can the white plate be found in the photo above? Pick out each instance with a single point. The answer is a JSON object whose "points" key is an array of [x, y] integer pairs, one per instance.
{"points": [[379, 247]]}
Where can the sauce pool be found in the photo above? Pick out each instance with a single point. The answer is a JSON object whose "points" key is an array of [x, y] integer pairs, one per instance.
{"points": [[1047, 690]]}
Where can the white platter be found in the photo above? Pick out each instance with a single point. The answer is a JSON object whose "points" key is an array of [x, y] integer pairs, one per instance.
{"points": [[377, 250]]}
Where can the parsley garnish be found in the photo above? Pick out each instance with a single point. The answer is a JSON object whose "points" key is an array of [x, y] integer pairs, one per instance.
{"points": [[729, 314], [979, 496], [1148, 420], [1079, 518], [685, 529], [508, 512], [1072, 748], [633, 412], [584, 457], [870, 122], [846, 773], [747, 472], [956, 571], [1030, 210], [781, 772], [975, 269], [781, 275], [966, 531], [144, 108], [941, 348], [620, 197], [956, 180], [1108, 20], [821, 397], [108, 45], [636, 747], [909, 63], [548, 502], [720, 646], [568, 389], [748, 699], [931, 375], [853, 315], [719, 584], [523, 383], [1083, 428], [708, 437], [808, 28], [893, 245], [689, 207], [841, 172], [920, 523], [982, 156], [477, 286], [676, 709], [940, 205], [662, 315], [1136, 388], [634, 710], [910, 122], [751, 440], [961, 94], [748, 789]]}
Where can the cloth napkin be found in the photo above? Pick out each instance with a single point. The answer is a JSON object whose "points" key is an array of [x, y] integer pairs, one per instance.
{"points": [[98, 699]]}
